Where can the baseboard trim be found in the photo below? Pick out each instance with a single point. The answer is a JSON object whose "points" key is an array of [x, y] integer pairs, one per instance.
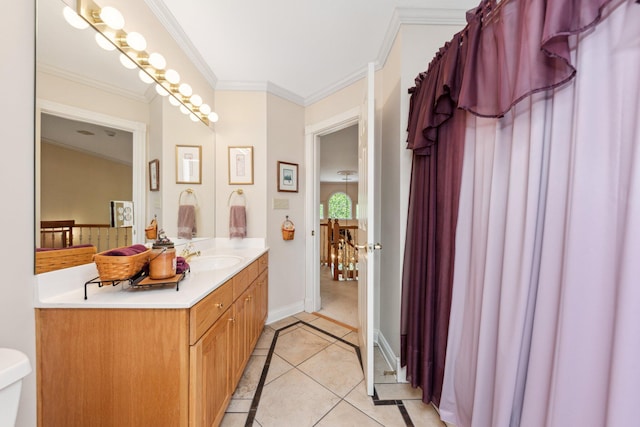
{"points": [[390, 356], [286, 311]]}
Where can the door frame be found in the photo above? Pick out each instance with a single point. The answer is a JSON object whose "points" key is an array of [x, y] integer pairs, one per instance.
{"points": [[138, 170], [313, 133]]}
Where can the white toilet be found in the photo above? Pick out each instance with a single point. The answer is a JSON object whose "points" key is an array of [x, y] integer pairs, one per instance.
{"points": [[14, 366]]}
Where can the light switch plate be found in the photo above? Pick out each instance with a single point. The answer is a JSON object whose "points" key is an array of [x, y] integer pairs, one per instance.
{"points": [[280, 203]]}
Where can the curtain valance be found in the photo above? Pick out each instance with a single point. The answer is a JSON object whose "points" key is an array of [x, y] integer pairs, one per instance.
{"points": [[506, 52]]}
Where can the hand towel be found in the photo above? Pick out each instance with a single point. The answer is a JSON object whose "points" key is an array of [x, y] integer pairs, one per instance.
{"points": [[186, 221], [237, 222]]}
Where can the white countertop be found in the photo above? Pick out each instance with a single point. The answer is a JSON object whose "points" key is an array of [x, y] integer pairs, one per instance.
{"points": [[65, 288]]}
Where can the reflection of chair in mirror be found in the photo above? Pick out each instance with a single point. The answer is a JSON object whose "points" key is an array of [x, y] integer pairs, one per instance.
{"points": [[56, 234]]}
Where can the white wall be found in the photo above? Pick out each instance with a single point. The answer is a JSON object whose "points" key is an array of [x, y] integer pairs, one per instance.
{"points": [[178, 129], [285, 136], [17, 325], [243, 122]]}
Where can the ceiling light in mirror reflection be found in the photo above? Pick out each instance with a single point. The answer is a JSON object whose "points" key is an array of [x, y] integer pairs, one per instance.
{"points": [[109, 23]]}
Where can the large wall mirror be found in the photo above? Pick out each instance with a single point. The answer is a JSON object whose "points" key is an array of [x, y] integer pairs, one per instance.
{"points": [[92, 116]]}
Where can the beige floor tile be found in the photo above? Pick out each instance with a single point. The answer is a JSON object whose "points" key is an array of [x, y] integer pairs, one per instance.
{"points": [[283, 323], [233, 420], [331, 327], [422, 414], [294, 400], [264, 342], [345, 415], [277, 367], [298, 345], [250, 378], [398, 391], [352, 337], [387, 415], [318, 333], [260, 352], [239, 405], [346, 346], [306, 317], [335, 368]]}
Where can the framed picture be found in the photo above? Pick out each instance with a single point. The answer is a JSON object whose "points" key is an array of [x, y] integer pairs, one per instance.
{"points": [[188, 164], [288, 177], [154, 175], [241, 165]]}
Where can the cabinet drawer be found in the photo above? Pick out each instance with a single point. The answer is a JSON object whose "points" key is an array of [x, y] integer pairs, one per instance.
{"points": [[207, 311], [263, 262], [242, 280]]}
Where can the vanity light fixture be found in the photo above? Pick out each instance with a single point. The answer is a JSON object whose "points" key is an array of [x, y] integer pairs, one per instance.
{"points": [[109, 23], [157, 61], [127, 62], [74, 19], [104, 41]]}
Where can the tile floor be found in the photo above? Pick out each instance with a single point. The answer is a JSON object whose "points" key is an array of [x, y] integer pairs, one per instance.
{"points": [[313, 377]]}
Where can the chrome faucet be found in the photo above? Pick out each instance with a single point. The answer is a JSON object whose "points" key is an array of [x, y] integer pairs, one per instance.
{"points": [[189, 252]]}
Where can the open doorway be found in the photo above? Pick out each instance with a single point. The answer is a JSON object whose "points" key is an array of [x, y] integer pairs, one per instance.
{"points": [[338, 185]]}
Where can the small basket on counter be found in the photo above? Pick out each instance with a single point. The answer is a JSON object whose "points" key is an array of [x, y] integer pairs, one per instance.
{"points": [[288, 229], [121, 267]]}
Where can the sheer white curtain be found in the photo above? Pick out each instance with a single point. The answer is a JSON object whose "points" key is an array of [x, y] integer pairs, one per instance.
{"points": [[545, 318]]}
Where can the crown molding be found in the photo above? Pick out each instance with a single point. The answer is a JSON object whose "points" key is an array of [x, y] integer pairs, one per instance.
{"points": [[401, 16], [174, 29], [417, 16], [269, 87], [77, 78]]}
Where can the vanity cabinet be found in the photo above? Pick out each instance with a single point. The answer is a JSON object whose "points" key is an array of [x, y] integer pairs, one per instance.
{"points": [[149, 367]]}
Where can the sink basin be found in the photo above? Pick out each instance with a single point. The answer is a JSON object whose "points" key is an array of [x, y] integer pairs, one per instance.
{"points": [[213, 262]]}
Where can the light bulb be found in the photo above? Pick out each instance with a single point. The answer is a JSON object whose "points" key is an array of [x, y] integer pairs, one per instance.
{"points": [[184, 110], [127, 62], [173, 101], [193, 117], [104, 42], [205, 109], [161, 90], [74, 19], [185, 90], [172, 76], [112, 17], [196, 100], [213, 117], [136, 41], [157, 61], [145, 77]]}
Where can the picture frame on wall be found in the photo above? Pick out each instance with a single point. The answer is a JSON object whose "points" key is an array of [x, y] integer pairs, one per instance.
{"points": [[287, 177], [188, 164], [154, 175], [241, 165]]}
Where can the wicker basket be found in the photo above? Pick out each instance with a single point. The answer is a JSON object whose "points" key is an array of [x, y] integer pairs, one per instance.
{"points": [[288, 229], [63, 258], [111, 268]]}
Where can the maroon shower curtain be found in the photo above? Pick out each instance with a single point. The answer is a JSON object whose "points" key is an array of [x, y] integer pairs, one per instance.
{"points": [[506, 52]]}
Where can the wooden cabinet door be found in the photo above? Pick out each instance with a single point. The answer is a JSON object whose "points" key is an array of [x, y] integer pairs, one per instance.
{"points": [[238, 343], [210, 382]]}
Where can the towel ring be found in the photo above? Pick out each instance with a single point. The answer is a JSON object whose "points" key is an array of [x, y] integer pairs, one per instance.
{"points": [[189, 191], [239, 192]]}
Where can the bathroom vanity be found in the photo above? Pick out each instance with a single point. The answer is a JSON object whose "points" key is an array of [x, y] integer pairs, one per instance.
{"points": [[156, 357]]}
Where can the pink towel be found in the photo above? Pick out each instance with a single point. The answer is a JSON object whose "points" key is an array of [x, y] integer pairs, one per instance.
{"points": [[238, 222], [186, 221]]}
